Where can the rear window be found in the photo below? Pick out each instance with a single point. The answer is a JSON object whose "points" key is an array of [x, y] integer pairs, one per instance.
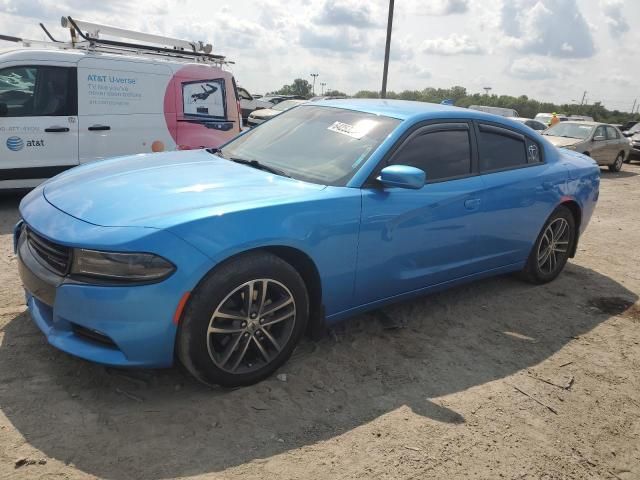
{"points": [[204, 98], [500, 149]]}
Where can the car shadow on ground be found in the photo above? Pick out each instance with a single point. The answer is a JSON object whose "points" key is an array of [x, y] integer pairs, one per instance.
{"points": [[619, 175], [122, 425]]}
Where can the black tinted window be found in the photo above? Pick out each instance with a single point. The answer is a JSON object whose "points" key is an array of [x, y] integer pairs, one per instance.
{"points": [[600, 132], [498, 150], [441, 154], [37, 91]]}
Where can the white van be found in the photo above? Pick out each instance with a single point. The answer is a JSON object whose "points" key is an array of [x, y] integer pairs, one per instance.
{"points": [[75, 103], [503, 112]]}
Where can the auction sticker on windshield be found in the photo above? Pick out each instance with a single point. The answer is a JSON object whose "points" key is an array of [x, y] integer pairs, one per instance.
{"points": [[357, 131]]}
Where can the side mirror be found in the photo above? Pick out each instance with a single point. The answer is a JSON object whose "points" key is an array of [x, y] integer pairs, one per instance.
{"points": [[598, 138], [402, 176], [4, 110]]}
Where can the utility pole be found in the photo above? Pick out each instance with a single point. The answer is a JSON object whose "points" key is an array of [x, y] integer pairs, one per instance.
{"points": [[634, 105], [584, 97], [313, 88], [322, 84], [387, 47]]}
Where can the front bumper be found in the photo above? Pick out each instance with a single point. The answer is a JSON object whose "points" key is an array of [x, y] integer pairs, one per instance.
{"points": [[634, 153], [122, 326]]}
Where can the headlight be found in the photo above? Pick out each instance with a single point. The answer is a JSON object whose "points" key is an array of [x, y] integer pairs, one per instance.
{"points": [[120, 267]]}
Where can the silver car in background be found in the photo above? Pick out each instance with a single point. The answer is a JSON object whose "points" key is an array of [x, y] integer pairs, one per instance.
{"points": [[604, 143]]}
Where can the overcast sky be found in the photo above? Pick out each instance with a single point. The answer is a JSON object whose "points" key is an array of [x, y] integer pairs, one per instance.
{"points": [[546, 49]]}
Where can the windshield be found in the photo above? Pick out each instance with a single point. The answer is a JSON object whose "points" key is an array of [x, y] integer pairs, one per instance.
{"points": [[570, 130], [286, 105], [322, 145]]}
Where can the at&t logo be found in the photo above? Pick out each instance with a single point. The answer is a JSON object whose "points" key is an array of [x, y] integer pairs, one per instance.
{"points": [[15, 143]]}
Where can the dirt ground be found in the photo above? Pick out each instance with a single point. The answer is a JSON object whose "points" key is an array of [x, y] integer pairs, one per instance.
{"points": [[497, 379]]}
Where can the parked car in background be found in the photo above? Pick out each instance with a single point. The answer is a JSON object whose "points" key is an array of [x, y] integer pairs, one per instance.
{"points": [[634, 142], [580, 118], [629, 125], [604, 143], [223, 258], [63, 106], [262, 115], [502, 112], [533, 124], [546, 118], [631, 131], [249, 103]]}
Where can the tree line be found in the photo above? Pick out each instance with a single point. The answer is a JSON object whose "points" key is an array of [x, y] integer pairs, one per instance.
{"points": [[526, 107]]}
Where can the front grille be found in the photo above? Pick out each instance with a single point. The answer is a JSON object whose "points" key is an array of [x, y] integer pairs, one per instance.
{"points": [[56, 258]]}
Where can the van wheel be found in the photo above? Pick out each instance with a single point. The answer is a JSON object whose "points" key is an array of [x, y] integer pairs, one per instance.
{"points": [[616, 166], [551, 250], [243, 321]]}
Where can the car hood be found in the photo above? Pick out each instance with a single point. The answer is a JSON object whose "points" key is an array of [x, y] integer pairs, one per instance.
{"points": [[562, 141], [162, 189]]}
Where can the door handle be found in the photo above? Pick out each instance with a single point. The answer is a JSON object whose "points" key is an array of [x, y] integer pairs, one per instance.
{"points": [[97, 128], [472, 204], [56, 129]]}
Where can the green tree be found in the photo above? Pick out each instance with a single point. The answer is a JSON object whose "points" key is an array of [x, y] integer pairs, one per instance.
{"points": [[298, 87], [335, 93]]}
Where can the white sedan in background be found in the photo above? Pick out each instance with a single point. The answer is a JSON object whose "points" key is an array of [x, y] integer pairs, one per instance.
{"points": [[259, 116]]}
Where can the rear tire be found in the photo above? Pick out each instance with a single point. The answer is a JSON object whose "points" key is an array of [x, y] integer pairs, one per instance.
{"points": [[616, 166], [551, 251], [243, 321]]}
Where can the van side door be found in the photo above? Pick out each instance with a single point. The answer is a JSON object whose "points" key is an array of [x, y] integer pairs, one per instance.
{"points": [[122, 108], [38, 122]]}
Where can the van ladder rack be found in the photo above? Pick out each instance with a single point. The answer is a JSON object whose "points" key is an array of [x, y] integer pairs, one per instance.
{"points": [[155, 44], [197, 50]]}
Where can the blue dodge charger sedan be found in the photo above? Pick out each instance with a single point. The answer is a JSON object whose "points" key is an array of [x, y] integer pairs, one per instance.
{"points": [[222, 259]]}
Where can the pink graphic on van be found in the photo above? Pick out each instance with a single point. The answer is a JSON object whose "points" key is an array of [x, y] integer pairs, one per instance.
{"points": [[200, 107]]}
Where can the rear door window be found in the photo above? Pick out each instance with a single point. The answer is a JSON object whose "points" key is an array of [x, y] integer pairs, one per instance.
{"points": [[204, 98], [612, 133], [440, 154], [28, 91], [500, 148]]}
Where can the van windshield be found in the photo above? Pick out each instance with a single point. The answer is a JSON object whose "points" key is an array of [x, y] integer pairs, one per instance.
{"points": [[323, 145]]}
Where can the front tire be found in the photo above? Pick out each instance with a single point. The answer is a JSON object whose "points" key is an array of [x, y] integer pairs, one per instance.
{"points": [[552, 248], [243, 321], [616, 166]]}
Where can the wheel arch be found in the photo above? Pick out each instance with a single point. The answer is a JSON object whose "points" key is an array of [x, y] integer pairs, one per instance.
{"points": [[304, 265], [576, 211]]}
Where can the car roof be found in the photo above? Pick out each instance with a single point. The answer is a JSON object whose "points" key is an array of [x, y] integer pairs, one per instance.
{"points": [[406, 109], [524, 119], [583, 122]]}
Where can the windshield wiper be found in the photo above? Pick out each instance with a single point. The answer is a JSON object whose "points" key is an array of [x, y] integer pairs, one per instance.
{"points": [[259, 166]]}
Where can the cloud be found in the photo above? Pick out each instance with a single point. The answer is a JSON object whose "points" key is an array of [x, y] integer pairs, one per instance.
{"points": [[351, 13], [547, 27], [529, 68], [614, 17], [341, 40], [442, 7], [453, 45]]}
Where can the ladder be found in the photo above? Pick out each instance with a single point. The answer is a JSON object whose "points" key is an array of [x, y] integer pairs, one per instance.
{"points": [[155, 45]]}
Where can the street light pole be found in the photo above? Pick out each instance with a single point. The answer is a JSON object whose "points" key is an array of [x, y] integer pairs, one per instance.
{"points": [[322, 84], [387, 47], [313, 88]]}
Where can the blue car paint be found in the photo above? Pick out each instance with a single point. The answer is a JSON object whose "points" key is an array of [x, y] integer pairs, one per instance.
{"points": [[370, 246]]}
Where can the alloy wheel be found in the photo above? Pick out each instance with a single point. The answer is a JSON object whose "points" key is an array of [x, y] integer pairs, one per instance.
{"points": [[251, 326], [619, 162], [554, 245]]}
